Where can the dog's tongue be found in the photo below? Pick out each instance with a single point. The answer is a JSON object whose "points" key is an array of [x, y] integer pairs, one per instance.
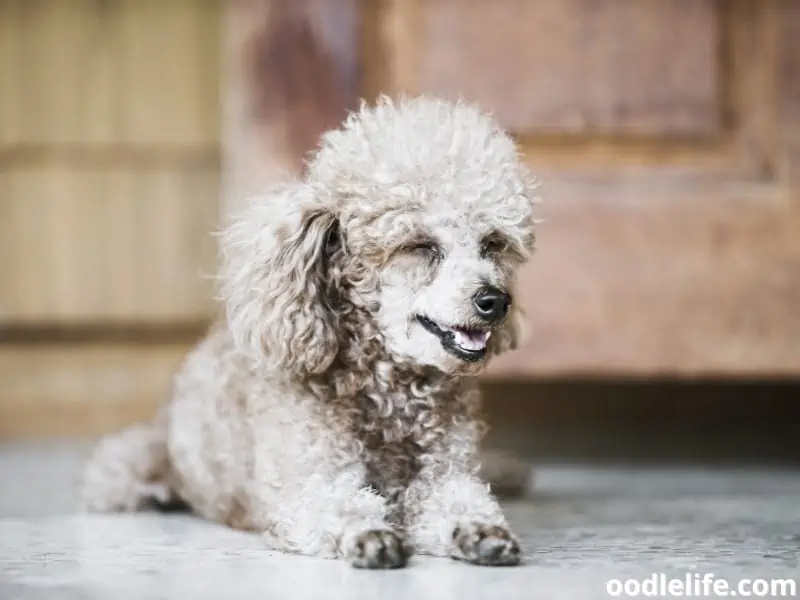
{"points": [[471, 340]]}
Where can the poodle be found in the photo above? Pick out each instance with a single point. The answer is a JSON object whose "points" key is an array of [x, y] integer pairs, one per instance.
{"points": [[334, 410]]}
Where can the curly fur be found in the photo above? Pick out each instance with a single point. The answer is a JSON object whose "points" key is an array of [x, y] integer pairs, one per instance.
{"points": [[319, 412]]}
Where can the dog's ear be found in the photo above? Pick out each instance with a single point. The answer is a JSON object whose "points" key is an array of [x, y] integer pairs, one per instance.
{"points": [[275, 283]]}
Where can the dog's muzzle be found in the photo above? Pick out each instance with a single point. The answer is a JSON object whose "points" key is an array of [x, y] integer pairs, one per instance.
{"points": [[466, 343]]}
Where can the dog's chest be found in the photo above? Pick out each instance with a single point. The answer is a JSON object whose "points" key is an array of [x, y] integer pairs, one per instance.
{"points": [[399, 428], [394, 446], [392, 466]]}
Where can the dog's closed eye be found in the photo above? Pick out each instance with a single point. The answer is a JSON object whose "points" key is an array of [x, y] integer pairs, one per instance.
{"points": [[494, 244], [426, 248]]}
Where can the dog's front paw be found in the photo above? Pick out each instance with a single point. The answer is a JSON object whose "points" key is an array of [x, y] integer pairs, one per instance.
{"points": [[379, 549], [491, 545]]}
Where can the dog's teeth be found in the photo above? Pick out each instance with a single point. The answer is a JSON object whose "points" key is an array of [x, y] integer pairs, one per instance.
{"points": [[471, 340]]}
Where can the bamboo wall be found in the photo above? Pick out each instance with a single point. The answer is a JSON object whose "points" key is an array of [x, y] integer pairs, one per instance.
{"points": [[109, 184]]}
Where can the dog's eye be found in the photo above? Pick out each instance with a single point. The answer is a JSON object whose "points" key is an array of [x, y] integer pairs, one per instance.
{"points": [[426, 248], [493, 245], [422, 247]]}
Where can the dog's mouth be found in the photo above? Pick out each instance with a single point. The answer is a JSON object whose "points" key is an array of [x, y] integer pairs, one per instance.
{"points": [[467, 343]]}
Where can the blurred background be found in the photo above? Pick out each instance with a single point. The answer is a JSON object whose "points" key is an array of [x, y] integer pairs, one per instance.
{"points": [[663, 304]]}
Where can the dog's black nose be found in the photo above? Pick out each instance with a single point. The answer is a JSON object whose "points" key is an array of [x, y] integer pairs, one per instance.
{"points": [[491, 303]]}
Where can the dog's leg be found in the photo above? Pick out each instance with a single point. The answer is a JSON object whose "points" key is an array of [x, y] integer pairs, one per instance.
{"points": [[456, 516], [336, 517], [450, 511]]}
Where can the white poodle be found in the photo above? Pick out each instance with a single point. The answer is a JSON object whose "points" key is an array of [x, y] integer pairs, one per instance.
{"points": [[335, 410]]}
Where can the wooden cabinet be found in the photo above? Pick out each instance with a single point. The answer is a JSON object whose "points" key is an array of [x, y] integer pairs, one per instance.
{"points": [[109, 186], [109, 161], [666, 136]]}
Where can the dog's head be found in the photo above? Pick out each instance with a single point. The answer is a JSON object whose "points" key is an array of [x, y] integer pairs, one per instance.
{"points": [[418, 214]]}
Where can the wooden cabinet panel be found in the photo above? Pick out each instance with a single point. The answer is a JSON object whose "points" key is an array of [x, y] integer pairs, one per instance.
{"points": [[596, 88], [109, 160], [614, 66], [83, 245], [697, 283], [121, 72], [292, 70], [84, 389], [788, 100]]}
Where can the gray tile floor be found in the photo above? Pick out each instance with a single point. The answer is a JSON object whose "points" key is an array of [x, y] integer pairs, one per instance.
{"points": [[581, 527]]}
